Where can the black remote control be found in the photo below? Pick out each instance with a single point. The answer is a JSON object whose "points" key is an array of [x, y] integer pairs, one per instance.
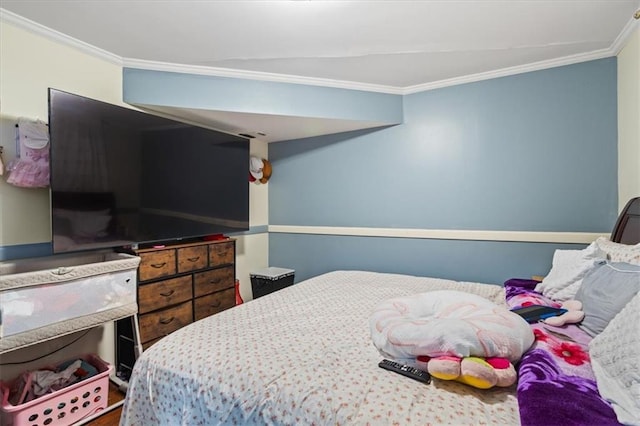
{"points": [[405, 370]]}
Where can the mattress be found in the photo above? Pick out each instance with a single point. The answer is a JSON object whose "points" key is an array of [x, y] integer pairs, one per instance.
{"points": [[303, 355]]}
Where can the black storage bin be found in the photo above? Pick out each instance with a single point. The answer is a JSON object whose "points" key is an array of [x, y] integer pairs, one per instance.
{"points": [[270, 279]]}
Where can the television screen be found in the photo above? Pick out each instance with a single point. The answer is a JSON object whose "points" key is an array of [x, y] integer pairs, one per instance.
{"points": [[121, 177]]}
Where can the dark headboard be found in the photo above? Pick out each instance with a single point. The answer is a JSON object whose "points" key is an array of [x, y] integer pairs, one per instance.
{"points": [[627, 229]]}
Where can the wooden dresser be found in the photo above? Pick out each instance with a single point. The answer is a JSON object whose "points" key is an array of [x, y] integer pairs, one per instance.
{"points": [[183, 283]]}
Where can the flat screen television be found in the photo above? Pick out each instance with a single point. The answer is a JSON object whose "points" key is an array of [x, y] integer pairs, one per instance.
{"points": [[121, 177]]}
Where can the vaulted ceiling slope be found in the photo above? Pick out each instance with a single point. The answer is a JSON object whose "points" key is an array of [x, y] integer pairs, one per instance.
{"points": [[392, 46]]}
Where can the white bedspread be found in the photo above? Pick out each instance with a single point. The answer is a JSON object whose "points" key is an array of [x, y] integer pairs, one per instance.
{"points": [[303, 355]]}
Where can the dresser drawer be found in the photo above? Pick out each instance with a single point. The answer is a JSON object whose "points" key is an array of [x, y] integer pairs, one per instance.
{"points": [[164, 293], [214, 280], [148, 344], [213, 303], [157, 264], [160, 323], [192, 258], [221, 254]]}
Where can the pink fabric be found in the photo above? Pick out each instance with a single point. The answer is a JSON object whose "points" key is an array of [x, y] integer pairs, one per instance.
{"points": [[31, 168], [29, 174]]}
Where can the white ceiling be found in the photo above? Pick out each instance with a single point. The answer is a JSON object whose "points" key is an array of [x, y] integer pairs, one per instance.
{"points": [[387, 46]]}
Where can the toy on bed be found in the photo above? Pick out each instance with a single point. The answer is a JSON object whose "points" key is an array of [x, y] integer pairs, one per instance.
{"points": [[574, 314], [481, 373], [580, 371], [454, 335], [556, 372]]}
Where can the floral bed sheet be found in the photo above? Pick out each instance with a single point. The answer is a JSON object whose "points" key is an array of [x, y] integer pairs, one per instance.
{"points": [[556, 384], [302, 356]]}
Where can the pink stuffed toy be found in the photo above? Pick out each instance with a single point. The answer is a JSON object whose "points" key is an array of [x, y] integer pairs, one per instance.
{"points": [[573, 315], [481, 373]]}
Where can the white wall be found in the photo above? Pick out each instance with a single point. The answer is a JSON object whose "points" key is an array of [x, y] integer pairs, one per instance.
{"points": [[252, 251], [629, 119], [29, 65]]}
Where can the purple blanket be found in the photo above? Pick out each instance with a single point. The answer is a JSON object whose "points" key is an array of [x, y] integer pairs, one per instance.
{"points": [[556, 385]]}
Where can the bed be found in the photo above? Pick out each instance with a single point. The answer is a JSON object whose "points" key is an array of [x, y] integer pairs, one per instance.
{"points": [[304, 355]]}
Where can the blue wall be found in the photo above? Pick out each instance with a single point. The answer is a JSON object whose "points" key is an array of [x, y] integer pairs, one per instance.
{"points": [[530, 152]]}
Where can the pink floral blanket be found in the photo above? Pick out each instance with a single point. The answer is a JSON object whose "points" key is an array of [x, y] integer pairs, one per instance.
{"points": [[556, 385]]}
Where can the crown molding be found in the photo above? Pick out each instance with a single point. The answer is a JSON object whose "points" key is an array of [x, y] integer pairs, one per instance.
{"points": [[623, 37], [53, 35], [258, 75], [34, 27], [504, 72], [613, 50]]}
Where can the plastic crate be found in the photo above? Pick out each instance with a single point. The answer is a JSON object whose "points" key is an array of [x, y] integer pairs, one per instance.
{"points": [[65, 406], [270, 279]]}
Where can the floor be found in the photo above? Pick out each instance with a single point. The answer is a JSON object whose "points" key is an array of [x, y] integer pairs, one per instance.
{"points": [[112, 418]]}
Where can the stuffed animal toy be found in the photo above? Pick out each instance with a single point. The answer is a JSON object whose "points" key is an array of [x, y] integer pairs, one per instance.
{"points": [[259, 170], [485, 373], [573, 315], [481, 373]]}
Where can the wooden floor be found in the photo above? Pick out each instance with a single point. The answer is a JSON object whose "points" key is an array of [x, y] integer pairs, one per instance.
{"points": [[111, 418]]}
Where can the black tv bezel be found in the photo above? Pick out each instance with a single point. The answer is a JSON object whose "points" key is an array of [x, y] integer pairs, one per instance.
{"points": [[99, 198]]}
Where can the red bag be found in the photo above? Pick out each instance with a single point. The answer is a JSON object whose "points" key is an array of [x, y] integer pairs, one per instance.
{"points": [[239, 300]]}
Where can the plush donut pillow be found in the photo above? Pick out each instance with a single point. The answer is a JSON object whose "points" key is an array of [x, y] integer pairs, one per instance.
{"points": [[448, 322]]}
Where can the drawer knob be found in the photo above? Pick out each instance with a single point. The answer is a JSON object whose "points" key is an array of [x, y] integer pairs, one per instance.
{"points": [[166, 321], [217, 304], [158, 265], [216, 281], [193, 259], [167, 294]]}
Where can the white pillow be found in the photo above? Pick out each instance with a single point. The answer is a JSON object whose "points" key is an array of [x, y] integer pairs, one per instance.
{"points": [[615, 358], [568, 269], [617, 252]]}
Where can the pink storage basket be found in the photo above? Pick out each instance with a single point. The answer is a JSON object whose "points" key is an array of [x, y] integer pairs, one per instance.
{"points": [[63, 407]]}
